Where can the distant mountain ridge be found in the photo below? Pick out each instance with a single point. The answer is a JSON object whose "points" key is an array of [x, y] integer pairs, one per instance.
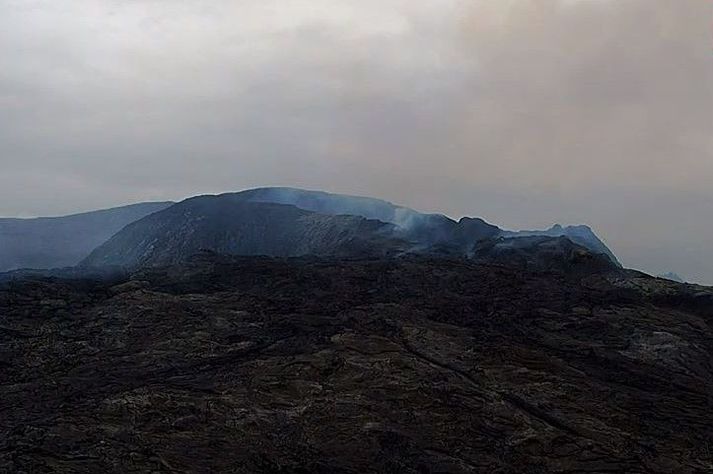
{"points": [[53, 242], [230, 225], [276, 221], [295, 222]]}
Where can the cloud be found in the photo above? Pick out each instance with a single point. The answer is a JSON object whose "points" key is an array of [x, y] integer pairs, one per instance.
{"points": [[523, 111], [605, 108], [601, 92]]}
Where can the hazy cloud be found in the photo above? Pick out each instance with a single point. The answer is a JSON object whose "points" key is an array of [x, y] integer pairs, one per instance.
{"points": [[526, 112]]}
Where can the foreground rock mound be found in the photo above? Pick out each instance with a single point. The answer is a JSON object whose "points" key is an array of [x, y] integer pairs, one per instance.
{"points": [[332, 366]]}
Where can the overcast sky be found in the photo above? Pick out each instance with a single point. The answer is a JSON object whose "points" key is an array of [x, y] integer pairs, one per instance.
{"points": [[524, 112]]}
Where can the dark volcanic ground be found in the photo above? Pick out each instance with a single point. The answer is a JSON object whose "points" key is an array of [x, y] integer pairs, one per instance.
{"points": [[402, 366]]}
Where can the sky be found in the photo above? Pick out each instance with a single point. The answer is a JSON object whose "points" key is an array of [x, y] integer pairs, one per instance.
{"points": [[524, 112]]}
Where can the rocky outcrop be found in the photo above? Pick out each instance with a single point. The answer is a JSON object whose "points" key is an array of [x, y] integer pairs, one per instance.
{"points": [[581, 235]]}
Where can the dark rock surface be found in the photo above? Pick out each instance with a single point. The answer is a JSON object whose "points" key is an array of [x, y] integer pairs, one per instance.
{"points": [[408, 365], [428, 229], [424, 228], [579, 234], [541, 253]]}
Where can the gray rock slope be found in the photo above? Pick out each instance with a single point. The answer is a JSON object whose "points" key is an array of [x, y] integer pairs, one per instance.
{"points": [[429, 228], [229, 225], [51, 242]]}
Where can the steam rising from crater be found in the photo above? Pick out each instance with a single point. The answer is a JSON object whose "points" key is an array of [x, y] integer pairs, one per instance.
{"points": [[527, 112]]}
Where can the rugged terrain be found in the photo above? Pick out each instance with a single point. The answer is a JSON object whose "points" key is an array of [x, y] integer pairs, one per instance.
{"points": [[413, 365]]}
